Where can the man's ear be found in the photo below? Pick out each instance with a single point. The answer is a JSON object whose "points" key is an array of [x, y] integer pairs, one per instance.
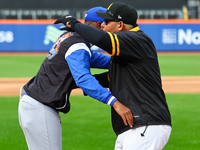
{"points": [[98, 25], [120, 26]]}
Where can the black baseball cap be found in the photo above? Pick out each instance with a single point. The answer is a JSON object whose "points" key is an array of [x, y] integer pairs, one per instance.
{"points": [[120, 11]]}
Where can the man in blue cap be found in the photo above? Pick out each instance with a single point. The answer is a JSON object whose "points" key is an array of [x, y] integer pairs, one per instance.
{"points": [[92, 18], [66, 66]]}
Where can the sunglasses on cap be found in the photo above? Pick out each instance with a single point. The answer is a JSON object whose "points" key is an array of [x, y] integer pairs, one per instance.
{"points": [[113, 20]]}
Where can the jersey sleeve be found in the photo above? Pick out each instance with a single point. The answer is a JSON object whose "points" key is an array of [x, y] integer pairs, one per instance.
{"points": [[94, 35], [123, 44], [105, 40], [78, 58], [99, 60]]}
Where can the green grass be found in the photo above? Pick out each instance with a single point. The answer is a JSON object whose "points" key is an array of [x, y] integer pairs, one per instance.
{"points": [[20, 66], [170, 65], [88, 126], [185, 121], [176, 65]]}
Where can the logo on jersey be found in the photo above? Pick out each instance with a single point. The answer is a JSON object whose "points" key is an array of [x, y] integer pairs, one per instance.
{"points": [[55, 48]]}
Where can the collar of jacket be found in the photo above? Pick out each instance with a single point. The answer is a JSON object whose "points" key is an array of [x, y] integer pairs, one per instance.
{"points": [[135, 29]]}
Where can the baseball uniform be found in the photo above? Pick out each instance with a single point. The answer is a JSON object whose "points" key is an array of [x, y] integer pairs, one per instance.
{"points": [[66, 66], [134, 75]]}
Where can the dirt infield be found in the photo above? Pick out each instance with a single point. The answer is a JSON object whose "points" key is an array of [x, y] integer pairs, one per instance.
{"points": [[184, 84]]}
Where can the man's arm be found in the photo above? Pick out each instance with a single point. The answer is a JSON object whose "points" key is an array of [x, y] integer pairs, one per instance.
{"points": [[106, 40], [94, 35], [78, 58], [79, 64]]}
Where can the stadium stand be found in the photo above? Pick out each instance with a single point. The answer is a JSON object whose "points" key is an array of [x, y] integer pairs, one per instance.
{"points": [[192, 9], [79, 14]]}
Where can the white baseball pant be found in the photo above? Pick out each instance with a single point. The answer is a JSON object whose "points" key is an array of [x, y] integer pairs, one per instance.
{"points": [[41, 125], [155, 138]]}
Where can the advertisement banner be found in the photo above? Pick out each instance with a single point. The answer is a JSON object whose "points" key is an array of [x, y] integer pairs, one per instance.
{"points": [[22, 38], [174, 37], [39, 37]]}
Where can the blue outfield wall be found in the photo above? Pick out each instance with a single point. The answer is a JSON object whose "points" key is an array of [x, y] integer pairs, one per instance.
{"points": [[174, 37], [28, 37], [167, 36]]}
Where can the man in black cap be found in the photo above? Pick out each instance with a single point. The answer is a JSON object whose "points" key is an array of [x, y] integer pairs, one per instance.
{"points": [[135, 78]]}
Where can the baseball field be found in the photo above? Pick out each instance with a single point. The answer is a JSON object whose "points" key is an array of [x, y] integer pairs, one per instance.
{"points": [[88, 126]]}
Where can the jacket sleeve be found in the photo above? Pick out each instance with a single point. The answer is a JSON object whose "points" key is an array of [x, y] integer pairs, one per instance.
{"points": [[78, 58], [121, 44], [94, 35]]}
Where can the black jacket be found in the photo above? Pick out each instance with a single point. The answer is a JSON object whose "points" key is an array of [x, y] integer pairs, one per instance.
{"points": [[53, 83], [134, 73]]}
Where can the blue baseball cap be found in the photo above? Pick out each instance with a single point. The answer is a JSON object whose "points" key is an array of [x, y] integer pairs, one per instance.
{"points": [[91, 14]]}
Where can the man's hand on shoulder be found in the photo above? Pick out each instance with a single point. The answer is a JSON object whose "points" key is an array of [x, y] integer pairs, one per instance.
{"points": [[65, 19]]}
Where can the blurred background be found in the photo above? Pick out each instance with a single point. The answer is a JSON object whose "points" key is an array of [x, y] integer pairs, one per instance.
{"points": [[173, 25], [27, 26], [51, 9]]}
